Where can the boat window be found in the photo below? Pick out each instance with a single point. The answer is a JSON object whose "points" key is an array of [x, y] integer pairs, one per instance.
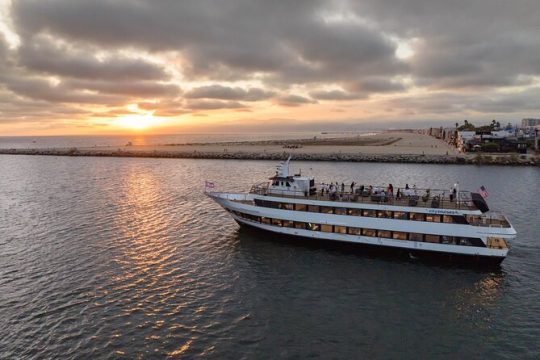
{"points": [[384, 233], [448, 219], [369, 232], [370, 213], [299, 225], [340, 229], [432, 238], [447, 239], [313, 208], [416, 237], [399, 235], [300, 207], [400, 215], [417, 217], [354, 212], [433, 218], [287, 206], [384, 214], [354, 231], [327, 210], [266, 220], [287, 223], [341, 211], [288, 184], [463, 241], [326, 228], [276, 222], [313, 227]]}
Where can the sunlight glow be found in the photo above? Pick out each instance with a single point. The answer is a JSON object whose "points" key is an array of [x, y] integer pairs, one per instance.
{"points": [[136, 121]]}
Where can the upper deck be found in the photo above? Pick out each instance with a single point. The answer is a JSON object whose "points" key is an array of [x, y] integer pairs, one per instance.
{"points": [[427, 198]]}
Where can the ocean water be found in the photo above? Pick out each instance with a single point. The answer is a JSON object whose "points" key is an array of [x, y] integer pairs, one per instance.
{"points": [[41, 142], [127, 258]]}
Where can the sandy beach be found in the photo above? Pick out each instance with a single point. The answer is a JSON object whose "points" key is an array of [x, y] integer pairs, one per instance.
{"points": [[396, 147], [400, 143]]}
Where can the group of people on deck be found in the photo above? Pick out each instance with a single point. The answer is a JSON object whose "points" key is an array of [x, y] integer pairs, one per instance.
{"points": [[336, 189]]}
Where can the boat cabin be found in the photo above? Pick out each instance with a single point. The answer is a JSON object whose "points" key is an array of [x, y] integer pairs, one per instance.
{"points": [[290, 185]]}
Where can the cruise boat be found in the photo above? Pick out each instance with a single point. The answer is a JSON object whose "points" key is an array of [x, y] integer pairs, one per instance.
{"points": [[453, 225]]}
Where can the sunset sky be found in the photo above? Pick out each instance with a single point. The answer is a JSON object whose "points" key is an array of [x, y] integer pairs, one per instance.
{"points": [[168, 66]]}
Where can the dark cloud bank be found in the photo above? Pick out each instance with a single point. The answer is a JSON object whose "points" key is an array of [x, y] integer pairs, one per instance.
{"points": [[468, 55]]}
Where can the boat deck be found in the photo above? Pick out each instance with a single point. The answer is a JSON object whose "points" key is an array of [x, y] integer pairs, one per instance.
{"points": [[431, 199]]}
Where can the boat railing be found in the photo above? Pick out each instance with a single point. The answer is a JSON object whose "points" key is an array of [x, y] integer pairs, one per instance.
{"points": [[411, 197], [489, 220]]}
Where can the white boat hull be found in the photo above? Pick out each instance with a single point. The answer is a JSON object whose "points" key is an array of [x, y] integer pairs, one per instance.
{"points": [[238, 204]]}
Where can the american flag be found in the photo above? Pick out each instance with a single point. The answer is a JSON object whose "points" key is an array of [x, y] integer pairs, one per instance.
{"points": [[483, 191], [209, 184]]}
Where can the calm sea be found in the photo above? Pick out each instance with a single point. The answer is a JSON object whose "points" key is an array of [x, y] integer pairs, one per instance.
{"points": [[126, 258], [21, 142]]}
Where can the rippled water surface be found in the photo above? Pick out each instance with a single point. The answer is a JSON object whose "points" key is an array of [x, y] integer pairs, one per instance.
{"points": [[126, 258]]}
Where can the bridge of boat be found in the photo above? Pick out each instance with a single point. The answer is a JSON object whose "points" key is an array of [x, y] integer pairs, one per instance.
{"points": [[432, 198]]}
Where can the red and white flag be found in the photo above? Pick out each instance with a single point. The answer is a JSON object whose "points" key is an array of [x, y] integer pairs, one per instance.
{"points": [[483, 191], [209, 184]]}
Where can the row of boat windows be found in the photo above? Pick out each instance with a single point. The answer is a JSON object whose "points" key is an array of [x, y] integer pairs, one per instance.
{"points": [[400, 215], [397, 235]]}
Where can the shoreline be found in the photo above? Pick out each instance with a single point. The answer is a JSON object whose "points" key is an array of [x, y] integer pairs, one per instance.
{"points": [[477, 159]]}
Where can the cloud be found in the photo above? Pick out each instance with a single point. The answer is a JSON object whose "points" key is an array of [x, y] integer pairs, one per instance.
{"points": [[293, 100], [229, 93], [141, 89], [289, 42], [335, 95], [41, 54], [213, 105]]}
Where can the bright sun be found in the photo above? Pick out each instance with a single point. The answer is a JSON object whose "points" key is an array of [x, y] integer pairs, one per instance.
{"points": [[136, 122]]}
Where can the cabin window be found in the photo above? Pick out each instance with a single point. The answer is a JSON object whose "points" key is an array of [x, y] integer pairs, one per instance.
{"points": [[300, 207], [340, 229], [384, 233], [448, 219], [276, 222], [299, 225], [463, 241], [354, 212], [370, 213], [288, 184], [266, 220], [369, 232], [432, 238], [398, 235], [341, 211], [416, 237], [313, 227], [287, 223], [313, 208], [326, 228], [447, 239], [355, 231], [418, 217], [287, 206], [400, 215], [327, 210], [384, 214], [433, 218]]}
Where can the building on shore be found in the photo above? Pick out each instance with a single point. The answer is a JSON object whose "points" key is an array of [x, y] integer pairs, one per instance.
{"points": [[530, 122], [490, 141]]}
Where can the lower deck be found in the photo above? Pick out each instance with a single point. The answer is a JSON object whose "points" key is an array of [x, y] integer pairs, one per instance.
{"points": [[427, 256]]}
